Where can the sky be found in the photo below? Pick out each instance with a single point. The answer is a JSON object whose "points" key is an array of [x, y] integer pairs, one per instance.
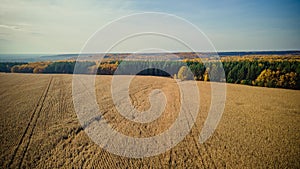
{"points": [[61, 26]]}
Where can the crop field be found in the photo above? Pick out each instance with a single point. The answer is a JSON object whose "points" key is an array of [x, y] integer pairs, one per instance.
{"points": [[260, 127]]}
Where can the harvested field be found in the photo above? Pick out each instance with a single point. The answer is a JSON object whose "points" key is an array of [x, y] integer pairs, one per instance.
{"points": [[260, 127]]}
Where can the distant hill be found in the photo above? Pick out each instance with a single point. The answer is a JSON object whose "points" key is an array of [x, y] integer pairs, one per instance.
{"points": [[151, 56]]}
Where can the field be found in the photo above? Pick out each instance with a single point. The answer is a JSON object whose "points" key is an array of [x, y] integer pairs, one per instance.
{"points": [[260, 127]]}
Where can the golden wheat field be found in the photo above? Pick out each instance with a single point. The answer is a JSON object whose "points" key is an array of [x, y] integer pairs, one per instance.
{"points": [[260, 127]]}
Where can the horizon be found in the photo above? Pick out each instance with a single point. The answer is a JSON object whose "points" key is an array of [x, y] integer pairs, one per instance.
{"points": [[225, 51]]}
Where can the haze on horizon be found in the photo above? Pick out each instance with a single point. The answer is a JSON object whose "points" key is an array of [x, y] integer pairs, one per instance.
{"points": [[64, 26]]}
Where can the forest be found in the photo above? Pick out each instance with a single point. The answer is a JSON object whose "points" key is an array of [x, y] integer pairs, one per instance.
{"points": [[275, 71]]}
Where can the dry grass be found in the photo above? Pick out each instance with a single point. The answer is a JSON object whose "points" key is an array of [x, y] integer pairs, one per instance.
{"points": [[39, 129]]}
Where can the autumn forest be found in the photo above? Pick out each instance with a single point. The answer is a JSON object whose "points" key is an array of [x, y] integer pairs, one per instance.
{"points": [[265, 71]]}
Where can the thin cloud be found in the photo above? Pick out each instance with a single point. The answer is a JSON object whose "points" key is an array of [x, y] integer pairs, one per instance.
{"points": [[20, 28], [11, 27]]}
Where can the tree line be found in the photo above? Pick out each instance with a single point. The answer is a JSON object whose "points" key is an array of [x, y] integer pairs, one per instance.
{"points": [[266, 73]]}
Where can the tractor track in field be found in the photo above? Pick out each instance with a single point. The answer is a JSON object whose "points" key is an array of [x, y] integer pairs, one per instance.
{"points": [[29, 129], [203, 151], [40, 127]]}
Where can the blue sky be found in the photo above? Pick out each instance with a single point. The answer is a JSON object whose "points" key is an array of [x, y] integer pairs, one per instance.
{"points": [[61, 26]]}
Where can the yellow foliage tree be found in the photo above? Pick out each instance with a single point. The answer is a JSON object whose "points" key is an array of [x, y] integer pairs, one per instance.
{"points": [[184, 73], [269, 78]]}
